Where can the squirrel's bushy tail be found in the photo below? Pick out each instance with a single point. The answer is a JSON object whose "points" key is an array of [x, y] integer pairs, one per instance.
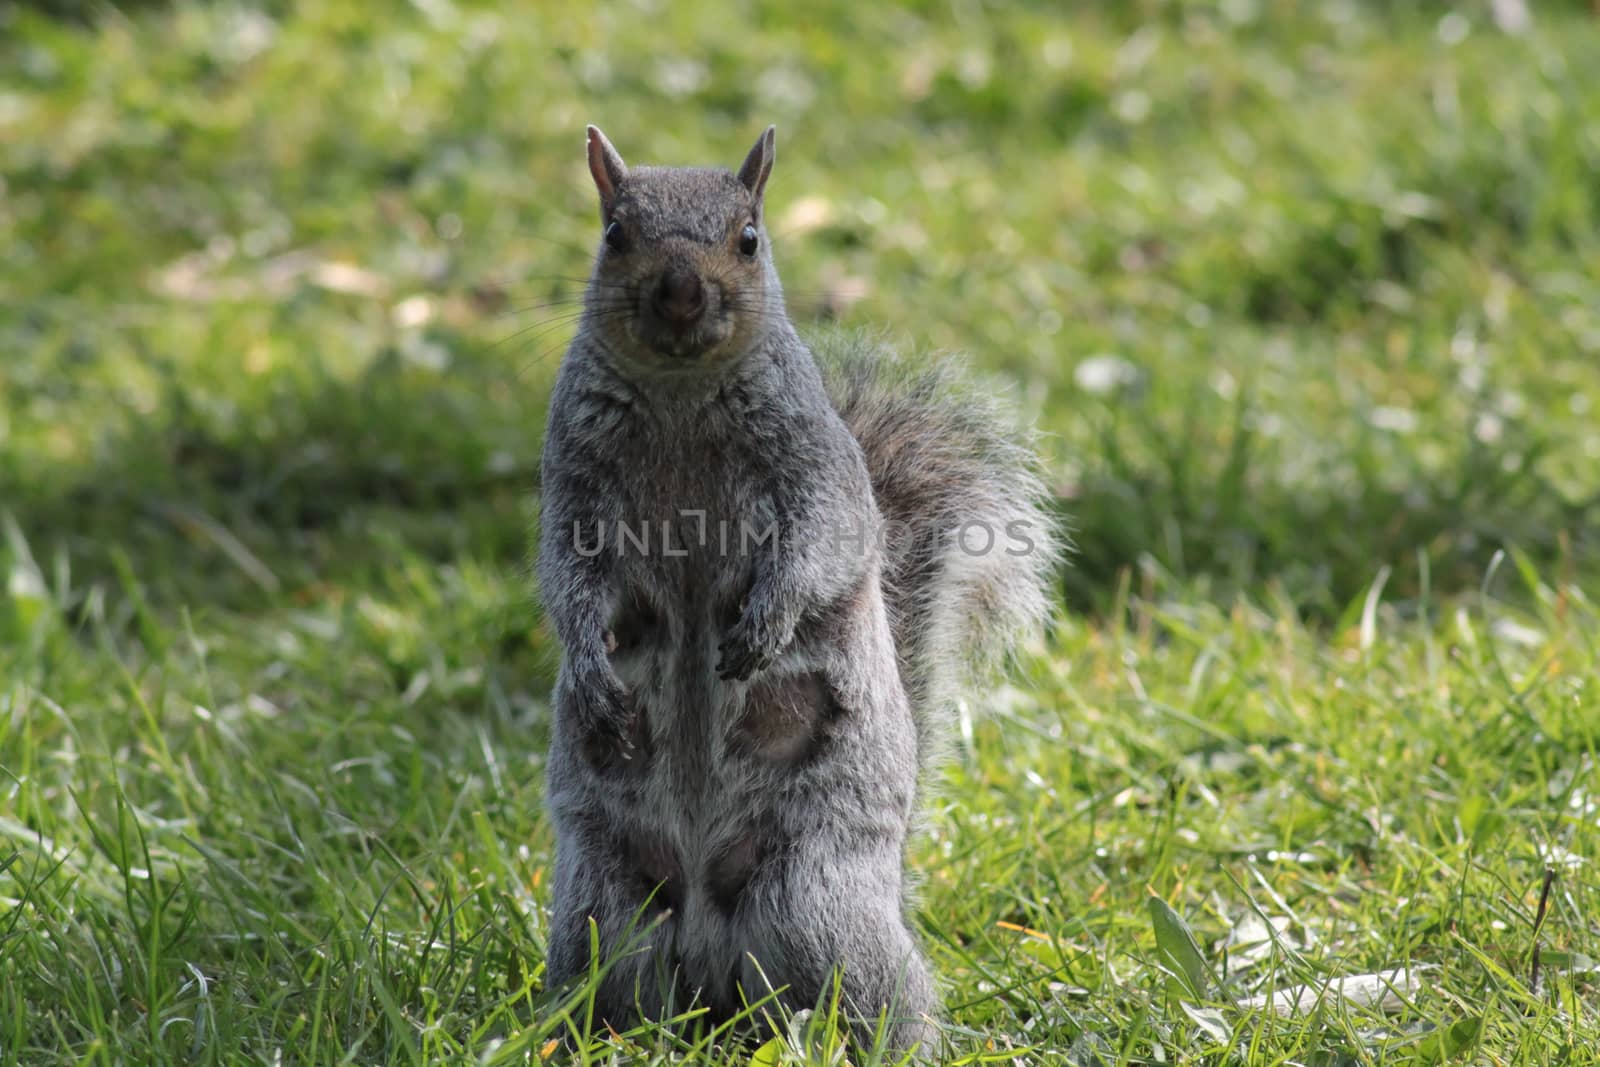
{"points": [[972, 543]]}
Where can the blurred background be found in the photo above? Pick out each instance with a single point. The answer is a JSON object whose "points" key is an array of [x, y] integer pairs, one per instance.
{"points": [[1305, 296], [1299, 290]]}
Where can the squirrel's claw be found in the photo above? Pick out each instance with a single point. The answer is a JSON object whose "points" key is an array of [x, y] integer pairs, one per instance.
{"points": [[605, 749], [746, 651], [610, 730], [739, 664]]}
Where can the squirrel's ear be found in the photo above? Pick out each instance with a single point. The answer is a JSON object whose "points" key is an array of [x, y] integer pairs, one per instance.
{"points": [[758, 164], [607, 168]]}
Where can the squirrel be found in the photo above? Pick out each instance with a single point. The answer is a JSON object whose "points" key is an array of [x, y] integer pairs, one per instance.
{"points": [[771, 576]]}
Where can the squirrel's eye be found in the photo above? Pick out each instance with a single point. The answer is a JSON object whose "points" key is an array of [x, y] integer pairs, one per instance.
{"points": [[616, 240], [748, 241]]}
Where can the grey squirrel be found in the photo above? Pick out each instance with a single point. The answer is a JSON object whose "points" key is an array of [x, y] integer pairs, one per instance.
{"points": [[770, 585]]}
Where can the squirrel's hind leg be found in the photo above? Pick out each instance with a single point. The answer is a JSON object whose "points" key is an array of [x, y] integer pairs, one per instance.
{"points": [[824, 913], [631, 900]]}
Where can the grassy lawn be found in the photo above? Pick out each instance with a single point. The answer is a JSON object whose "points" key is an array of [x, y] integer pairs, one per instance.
{"points": [[1307, 297]]}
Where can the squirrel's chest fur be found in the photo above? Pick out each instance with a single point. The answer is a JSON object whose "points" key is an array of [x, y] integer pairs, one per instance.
{"points": [[692, 500], [693, 508]]}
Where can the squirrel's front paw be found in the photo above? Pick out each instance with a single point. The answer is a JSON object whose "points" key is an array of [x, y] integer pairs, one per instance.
{"points": [[749, 647], [608, 726]]}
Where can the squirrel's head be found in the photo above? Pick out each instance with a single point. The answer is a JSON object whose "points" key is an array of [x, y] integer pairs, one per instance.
{"points": [[683, 276]]}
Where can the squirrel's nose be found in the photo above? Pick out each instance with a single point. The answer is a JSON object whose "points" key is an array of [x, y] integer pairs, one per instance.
{"points": [[679, 297]]}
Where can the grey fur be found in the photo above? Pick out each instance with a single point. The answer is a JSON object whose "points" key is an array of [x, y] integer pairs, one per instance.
{"points": [[945, 456], [735, 762]]}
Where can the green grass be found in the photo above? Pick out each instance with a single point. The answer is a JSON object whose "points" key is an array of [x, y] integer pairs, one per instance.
{"points": [[282, 290]]}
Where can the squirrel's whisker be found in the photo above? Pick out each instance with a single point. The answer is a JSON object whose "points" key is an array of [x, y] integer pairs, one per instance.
{"points": [[539, 329]]}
